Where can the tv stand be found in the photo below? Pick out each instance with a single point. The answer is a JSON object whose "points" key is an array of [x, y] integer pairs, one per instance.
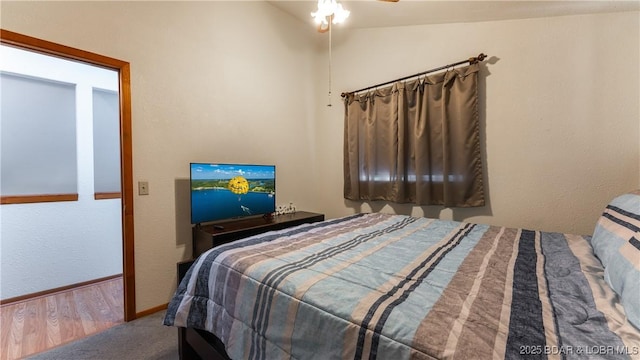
{"points": [[206, 237]]}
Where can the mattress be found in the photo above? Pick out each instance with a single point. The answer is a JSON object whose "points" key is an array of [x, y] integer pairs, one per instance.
{"points": [[380, 286]]}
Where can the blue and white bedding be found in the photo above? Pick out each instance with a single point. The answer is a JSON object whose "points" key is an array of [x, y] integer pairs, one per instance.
{"points": [[616, 242], [379, 286]]}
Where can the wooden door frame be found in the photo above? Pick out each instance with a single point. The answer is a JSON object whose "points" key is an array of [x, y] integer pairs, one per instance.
{"points": [[126, 153]]}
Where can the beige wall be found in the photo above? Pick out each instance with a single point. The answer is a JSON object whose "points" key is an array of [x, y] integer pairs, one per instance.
{"points": [[560, 112], [560, 107], [210, 81]]}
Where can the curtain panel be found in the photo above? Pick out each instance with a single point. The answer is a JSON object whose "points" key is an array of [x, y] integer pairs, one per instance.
{"points": [[416, 142]]}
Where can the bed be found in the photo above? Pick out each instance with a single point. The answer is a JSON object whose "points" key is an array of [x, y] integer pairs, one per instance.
{"points": [[380, 286]]}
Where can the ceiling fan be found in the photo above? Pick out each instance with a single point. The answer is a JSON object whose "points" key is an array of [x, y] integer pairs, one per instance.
{"points": [[330, 11]]}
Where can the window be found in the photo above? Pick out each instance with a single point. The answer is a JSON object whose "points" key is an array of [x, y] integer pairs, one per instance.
{"points": [[106, 142], [38, 148], [60, 129], [416, 142]]}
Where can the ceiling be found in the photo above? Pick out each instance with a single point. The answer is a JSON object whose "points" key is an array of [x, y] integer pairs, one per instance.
{"points": [[373, 13]]}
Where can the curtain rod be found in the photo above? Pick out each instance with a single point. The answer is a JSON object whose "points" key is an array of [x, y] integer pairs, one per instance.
{"points": [[471, 60]]}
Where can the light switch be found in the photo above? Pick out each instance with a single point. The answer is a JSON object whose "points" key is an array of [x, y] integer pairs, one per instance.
{"points": [[143, 188]]}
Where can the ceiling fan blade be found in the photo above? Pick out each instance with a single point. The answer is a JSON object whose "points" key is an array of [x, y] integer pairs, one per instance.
{"points": [[389, 0]]}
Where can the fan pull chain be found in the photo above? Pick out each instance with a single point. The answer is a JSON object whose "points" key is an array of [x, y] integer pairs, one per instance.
{"points": [[329, 104]]}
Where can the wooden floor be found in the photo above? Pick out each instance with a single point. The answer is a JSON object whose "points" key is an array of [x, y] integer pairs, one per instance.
{"points": [[35, 325]]}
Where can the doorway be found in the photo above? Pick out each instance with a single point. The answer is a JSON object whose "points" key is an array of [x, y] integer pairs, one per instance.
{"points": [[126, 172]]}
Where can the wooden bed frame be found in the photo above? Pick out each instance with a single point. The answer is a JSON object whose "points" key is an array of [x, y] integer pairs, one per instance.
{"points": [[194, 344]]}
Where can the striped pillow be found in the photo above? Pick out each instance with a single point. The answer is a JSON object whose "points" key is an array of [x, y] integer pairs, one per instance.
{"points": [[616, 242]]}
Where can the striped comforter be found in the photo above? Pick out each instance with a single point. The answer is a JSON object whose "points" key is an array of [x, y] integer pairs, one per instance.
{"points": [[378, 286]]}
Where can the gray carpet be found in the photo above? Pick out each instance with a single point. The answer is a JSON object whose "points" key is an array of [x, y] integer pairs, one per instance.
{"points": [[144, 338]]}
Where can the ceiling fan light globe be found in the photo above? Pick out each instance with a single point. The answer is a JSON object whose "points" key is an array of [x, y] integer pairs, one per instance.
{"points": [[329, 9], [340, 15], [317, 17]]}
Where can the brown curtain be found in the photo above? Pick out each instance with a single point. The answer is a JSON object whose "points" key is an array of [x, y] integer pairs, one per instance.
{"points": [[416, 142]]}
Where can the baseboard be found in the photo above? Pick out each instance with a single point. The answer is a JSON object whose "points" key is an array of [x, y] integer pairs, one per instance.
{"points": [[56, 290], [153, 310]]}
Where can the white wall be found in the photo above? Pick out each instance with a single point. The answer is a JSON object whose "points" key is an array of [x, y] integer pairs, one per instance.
{"points": [[559, 112], [190, 60], [48, 245]]}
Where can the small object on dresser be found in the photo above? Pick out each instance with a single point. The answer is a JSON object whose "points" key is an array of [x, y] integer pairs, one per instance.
{"points": [[282, 209]]}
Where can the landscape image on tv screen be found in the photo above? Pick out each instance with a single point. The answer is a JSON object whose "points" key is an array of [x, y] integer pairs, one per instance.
{"points": [[226, 191]]}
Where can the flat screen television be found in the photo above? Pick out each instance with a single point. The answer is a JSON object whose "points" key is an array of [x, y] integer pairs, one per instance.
{"points": [[227, 191]]}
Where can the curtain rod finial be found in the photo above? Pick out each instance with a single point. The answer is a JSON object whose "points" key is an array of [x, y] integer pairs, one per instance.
{"points": [[480, 57]]}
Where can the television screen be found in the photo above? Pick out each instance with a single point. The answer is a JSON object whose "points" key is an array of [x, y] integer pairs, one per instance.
{"points": [[226, 191]]}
